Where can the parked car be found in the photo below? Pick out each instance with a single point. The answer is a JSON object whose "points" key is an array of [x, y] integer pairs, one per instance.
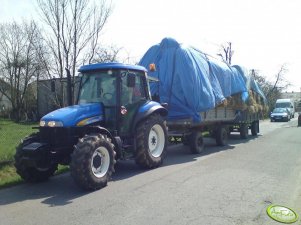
{"points": [[299, 119], [280, 114]]}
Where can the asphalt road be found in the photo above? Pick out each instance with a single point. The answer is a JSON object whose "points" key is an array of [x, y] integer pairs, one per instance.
{"points": [[224, 185]]}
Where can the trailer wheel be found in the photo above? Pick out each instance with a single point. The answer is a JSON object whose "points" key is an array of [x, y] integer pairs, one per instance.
{"points": [[221, 137], [31, 173], [151, 142], [244, 131], [197, 144], [254, 128], [92, 161], [186, 140]]}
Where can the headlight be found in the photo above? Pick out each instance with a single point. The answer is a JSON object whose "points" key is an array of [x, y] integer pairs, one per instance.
{"points": [[42, 123], [55, 124]]}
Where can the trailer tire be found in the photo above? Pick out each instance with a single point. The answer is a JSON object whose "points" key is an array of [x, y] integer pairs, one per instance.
{"points": [[186, 140], [197, 144], [244, 131], [31, 173], [151, 142], [221, 137], [93, 161], [254, 128]]}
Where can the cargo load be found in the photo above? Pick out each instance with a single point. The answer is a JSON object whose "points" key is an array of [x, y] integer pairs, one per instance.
{"points": [[193, 83]]}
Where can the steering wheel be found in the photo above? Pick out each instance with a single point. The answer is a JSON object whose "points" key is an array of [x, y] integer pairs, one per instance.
{"points": [[107, 96]]}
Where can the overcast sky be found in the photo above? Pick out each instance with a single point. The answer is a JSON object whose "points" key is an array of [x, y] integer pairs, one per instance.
{"points": [[264, 33]]}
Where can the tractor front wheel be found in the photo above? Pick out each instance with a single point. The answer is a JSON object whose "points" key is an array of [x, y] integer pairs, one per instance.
{"points": [[92, 161], [151, 142]]}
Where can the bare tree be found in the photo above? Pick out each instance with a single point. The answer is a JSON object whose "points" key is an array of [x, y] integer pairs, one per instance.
{"points": [[280, 83], [226, 52], [19, 62], [103, 54], [74, 27], [272, 89]]}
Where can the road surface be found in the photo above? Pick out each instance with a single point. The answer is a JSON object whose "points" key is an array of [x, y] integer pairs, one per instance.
{"points": [[233, 184]]}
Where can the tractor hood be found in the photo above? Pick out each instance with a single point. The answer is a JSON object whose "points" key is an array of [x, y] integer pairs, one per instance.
{"points": [[76, 115]]}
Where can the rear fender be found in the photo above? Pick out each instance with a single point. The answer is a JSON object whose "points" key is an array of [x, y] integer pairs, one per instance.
{"points": [[146, 110]]}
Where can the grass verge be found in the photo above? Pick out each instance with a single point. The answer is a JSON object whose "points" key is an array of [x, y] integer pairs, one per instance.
{"points": [[10, 135]]}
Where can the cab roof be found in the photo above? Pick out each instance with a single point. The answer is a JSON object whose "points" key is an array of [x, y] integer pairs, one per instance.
{"points": [[110, 66]]}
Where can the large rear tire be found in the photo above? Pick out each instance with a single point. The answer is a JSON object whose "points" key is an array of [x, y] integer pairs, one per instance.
{"points": [[31, 173], [92, 161], [151, 142], [197, 144]]}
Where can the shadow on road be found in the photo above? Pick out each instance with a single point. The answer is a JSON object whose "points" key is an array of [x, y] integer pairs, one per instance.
{"points": [[61, 190], [177, 154]]}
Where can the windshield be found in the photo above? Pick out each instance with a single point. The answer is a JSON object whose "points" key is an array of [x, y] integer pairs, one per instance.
{"points": [[279, 110], [283, 105], [98, 87]]}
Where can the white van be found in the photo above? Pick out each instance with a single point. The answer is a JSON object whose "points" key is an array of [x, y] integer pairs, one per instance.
{"points": [[286, 103]]}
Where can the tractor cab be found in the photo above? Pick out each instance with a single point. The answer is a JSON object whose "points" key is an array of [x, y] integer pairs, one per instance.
{"points": [[121, 92]]}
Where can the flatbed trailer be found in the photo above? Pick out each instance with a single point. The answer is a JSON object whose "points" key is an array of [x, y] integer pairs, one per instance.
{"points": [[217, 123]]}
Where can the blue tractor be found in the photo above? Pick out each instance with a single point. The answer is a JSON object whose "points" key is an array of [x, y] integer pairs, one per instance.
{"points": [[114, 119]]}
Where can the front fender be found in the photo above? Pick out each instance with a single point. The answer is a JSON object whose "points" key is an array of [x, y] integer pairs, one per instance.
{"points": [[146, 110], [98, 129]]}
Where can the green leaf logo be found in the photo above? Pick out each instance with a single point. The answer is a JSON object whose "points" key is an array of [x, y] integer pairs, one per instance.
{"points": [[282, 214]]}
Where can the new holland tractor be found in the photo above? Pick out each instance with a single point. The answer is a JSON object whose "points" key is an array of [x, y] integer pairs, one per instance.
{"points": [[114, 119]]}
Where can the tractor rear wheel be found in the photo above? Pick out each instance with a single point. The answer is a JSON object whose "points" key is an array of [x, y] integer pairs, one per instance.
{"points": [[31, 173], [151, 142], [92, 161]]}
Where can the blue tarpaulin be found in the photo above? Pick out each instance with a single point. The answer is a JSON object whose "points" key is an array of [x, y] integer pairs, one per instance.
{"points": [[190, 81]]}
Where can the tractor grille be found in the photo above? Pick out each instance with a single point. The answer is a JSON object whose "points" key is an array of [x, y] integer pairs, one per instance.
{"points": [[59, 136]]}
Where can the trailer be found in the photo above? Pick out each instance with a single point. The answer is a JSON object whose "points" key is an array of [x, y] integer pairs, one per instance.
{"points": [[204, 96], [218, 123]]}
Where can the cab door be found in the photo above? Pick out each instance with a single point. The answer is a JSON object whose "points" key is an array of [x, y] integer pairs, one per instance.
{"points": [[132, 97]]}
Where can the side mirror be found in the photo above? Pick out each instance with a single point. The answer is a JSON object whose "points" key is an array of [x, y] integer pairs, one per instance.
{"points": [[131, 80]]}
